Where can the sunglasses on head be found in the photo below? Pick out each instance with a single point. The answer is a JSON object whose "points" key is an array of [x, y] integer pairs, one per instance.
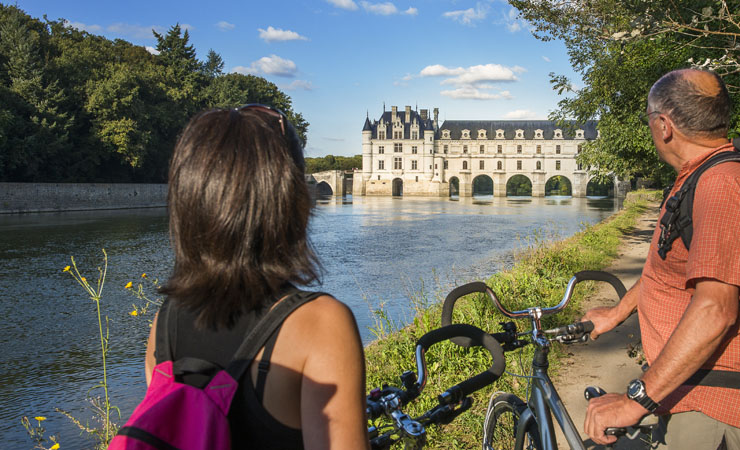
{"points": [[294, 141]]}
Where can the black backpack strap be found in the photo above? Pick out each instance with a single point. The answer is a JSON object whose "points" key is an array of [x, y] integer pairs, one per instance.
{"points": [[256, 339], [165, 320], [264, 365], [677, 221]]}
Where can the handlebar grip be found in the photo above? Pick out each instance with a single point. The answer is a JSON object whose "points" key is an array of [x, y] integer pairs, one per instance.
{"points": [[598, 275], [477, 337], [449, 305]]}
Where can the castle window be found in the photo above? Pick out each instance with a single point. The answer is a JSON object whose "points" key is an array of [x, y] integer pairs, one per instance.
{"points": [[381, 166], [397, 163], [445, 134], [518, 165], [557, 165], [466, 134], [539, 149], [557, 149], [414, 135], [580, 147], [381, 150], [500, 148], [482, 165], [414, 165], [499, 134], [444, 147], [381, 134], [465, 148], [558, 134], [397, 147], [414, 149], [465, 165], [580, 166], [520, 134], [499, 165], [579, 134], [378, 177], [538, 134], [481, 134], [539, 165], [397, 135], [446, 165], [482, 148], [417, 178], [518, 148]]}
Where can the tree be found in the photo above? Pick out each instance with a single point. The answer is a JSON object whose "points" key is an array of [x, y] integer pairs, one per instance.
{"points": [[621, 48], [214, 65]]}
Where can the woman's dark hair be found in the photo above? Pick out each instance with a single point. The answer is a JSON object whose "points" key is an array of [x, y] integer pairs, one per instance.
{"points": [[239, 208]]}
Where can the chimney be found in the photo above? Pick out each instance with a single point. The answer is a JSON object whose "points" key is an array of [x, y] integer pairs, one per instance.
{"points": [[408, 114], [394, 111], [436, 116], [424, 113]]}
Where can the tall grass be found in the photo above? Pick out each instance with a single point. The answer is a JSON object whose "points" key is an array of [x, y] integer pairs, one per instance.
{"points": [[538, 278]]}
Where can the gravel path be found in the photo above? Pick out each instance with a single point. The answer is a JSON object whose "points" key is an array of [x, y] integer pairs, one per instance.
{"points": [[606, 361]]}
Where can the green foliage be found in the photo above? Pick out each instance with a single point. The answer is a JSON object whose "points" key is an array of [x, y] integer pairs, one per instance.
{"points": [[620, 49], [558, 185], [518, 185], [331, 162], [538, 279], [76, 107]]}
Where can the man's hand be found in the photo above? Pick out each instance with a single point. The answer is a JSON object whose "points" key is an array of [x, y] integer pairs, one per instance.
{"points": [[611, 410], [604, 319]]}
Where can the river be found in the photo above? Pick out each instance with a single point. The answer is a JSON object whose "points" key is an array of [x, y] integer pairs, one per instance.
{"points": [[375, 252]]}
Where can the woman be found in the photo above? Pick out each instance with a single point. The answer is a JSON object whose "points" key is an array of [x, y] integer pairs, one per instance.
{"points": [[239, 207]]}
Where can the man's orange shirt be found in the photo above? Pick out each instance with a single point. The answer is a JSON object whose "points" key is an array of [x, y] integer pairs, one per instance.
{"points": [[667, 285]]}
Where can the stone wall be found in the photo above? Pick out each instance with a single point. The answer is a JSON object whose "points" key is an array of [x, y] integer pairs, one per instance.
{"points": [[50, 197]]}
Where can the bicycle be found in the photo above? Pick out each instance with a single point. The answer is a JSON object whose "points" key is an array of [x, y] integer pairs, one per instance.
{"points": [[510, 420], [388, 401]]}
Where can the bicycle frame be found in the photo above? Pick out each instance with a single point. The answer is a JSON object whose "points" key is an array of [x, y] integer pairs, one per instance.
{"points": [[544, 403]]}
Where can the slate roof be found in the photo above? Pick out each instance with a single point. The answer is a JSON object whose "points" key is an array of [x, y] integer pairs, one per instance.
{"points": [[548, 128], [424, 125]]}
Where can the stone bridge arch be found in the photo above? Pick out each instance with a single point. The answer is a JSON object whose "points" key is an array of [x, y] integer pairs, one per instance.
{"points": [[519, 185], [558, 185], [330, 182]]}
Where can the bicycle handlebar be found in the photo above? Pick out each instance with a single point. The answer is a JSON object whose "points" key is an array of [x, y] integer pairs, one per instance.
{"points": [[477, 337], [479, 286]]}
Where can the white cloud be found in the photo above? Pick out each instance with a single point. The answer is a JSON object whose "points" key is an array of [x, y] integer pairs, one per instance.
{"points": [[344, 4], [333, 139], [513, 26], [471, 93], [269, 65], [277, 34], [411, 11], [546, 59], [152, 50], [136, 31], [84, 27], [225, 26], [384, 9], [520, 114], [513, 22], [472, 75], [187, 27], [300, 85], [468, 16]]}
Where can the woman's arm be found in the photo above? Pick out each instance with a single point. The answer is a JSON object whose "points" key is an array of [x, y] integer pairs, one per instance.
{"points": [[149, 360], [333, 386]]}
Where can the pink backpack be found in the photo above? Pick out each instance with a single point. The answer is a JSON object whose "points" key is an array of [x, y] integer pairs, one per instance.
{"points": [[177, 416]]}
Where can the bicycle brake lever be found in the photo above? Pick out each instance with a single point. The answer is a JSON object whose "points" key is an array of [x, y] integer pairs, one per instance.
{"points": [[444, 414]]}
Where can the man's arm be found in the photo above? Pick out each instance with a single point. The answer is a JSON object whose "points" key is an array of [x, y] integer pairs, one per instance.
{"points": [[712, 311], [605, 318]]}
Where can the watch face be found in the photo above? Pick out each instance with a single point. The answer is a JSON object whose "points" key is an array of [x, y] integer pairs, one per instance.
{"points": [[634, 389]]}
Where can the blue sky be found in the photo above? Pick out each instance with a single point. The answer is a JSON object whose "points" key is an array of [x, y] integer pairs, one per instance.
{"points": [[339, 59]]}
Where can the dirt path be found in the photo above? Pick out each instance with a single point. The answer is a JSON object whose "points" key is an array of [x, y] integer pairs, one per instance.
{"points": [[606, 362]]}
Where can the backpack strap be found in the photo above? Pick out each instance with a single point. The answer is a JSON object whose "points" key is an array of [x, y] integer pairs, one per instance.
{"points": [[264, 365], [677, 221], [164, 321], [264, 329]]}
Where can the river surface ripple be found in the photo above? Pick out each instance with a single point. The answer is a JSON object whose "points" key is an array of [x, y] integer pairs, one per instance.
{"points": [[375, 252]]}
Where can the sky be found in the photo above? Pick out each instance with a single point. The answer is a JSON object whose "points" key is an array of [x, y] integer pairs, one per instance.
{"points": [[340, 60]]}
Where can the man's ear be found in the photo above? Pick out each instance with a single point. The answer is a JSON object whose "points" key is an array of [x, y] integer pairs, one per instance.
{"points": [[666, 128]]}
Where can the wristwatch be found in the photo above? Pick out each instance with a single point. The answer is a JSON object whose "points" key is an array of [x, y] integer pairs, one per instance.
{"points": [[636, 391]]}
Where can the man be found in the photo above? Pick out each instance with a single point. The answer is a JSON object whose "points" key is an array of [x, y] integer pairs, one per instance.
{"points": [[688, 302]]}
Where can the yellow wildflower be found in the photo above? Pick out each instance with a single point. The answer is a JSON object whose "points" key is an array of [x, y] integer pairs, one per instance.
{"points": [[40, 418], [84, 280], [134, 313], [128, 285], [54, 447], [143, 275], [66, 269]]}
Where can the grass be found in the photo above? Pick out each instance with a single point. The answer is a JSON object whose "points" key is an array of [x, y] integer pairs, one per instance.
{"points": [[538, 278]]}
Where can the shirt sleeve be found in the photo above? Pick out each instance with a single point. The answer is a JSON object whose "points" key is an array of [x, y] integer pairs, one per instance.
{"points": [[715, 245]]}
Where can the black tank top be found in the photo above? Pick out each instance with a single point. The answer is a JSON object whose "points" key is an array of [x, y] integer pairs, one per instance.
{"points": [[251, 425]]}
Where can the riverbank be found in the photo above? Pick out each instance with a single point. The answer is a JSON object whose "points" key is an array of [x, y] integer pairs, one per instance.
{"points": [[537, 278], [56, 197]]}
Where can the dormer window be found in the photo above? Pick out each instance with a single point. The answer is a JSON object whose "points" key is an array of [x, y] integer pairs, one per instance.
{"points": [[481, 134], [445, 134], [466, 134], [558, 134], [538, 134], [519, 134], [579, 134], [499, 134]]}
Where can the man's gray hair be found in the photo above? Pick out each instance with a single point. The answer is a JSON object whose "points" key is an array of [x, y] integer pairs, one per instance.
{"points": [[697, 108]]}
